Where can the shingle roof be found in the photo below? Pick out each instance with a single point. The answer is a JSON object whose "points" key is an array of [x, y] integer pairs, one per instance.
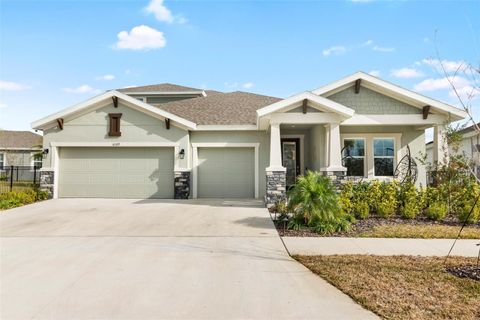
{"points": [[233, 108], [19, 139], [166, 87], [470, 128]]}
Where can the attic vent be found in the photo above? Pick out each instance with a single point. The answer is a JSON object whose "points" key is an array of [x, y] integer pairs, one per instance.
{"points": [[114, 122]]}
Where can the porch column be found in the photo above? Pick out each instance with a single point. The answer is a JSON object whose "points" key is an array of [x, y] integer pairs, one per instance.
{"points": [[334, 148], [440, 147], [276, 174], [275, 148]]}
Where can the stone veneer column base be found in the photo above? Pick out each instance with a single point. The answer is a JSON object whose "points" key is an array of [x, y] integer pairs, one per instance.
{"points": [[276, 187], [337, 177], [182, 184], [47, 182]]}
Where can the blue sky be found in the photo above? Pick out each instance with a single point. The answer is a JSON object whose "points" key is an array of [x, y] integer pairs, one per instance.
{"points": [[57, 53]]}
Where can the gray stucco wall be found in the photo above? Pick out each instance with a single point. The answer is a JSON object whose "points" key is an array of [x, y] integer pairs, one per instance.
{"points": [[241, 137], [135, 127], [370, 102]]}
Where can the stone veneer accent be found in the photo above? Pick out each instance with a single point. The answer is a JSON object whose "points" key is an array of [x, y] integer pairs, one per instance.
{"points": [[182, 184], [337, 177], [276, 187], [47, 182]]}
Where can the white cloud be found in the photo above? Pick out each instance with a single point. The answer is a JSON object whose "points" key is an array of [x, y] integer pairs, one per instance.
{"points": [[449, 65], [141, 38], [366, 43], [162, 13], [248, 85], [3, 105], [335, 50], [81, 89], [383, 49], [12, 86], [375, 73], [106, 77], [441, 84], [406, 73]]}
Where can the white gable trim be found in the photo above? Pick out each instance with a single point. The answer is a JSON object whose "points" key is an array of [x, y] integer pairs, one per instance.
{"points": [[99, 102], [391, 90], [319, 103]]}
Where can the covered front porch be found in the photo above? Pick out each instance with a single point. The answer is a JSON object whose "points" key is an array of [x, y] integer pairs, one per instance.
{"points": [[313, 133]]}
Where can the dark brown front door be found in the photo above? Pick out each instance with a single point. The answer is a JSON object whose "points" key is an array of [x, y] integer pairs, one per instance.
{"points": [[291, 159]]}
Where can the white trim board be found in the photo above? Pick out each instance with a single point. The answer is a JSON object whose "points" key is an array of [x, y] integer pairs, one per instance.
{"points": [[115, 144], [195, 147]]}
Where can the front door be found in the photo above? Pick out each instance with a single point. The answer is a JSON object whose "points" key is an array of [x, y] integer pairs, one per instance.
{"points": [[291, 159]]}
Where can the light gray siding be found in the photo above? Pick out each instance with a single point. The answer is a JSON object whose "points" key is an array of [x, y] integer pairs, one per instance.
{"points": [[135, 127], [371, 102]]}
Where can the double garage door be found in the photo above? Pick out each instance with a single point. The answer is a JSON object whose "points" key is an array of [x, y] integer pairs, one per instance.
{"points": [[142, 173], [137, 173]]}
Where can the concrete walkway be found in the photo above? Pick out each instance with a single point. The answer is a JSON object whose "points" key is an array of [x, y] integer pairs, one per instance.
{"points": [[380, 246], [147, 259]]}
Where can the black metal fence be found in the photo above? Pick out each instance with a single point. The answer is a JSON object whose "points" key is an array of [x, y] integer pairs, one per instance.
{"points": [[17, 178]]}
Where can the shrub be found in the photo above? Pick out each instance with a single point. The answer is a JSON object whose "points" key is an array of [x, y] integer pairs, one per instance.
{"points": [[436, 211], [315, 203], [14, 199], [362, 210], [465, 215], [387, 204], [361, 200], [345, 198], [410, 200]]}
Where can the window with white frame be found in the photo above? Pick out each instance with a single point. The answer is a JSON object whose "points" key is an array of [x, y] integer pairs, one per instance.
{"points": [[2, 161], [37, 160], [353, 156], [383, 156]]}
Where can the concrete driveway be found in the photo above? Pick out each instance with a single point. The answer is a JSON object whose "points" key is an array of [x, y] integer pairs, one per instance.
{"points": [[144, 259]]}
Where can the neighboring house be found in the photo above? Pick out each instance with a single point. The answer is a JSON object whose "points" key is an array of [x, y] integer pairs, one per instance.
{"points": [[18, 148], [469, 147], [168, 141]]}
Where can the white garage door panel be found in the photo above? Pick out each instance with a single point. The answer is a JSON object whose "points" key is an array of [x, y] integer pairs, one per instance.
{"points": [[116, 172], [226, 173]]}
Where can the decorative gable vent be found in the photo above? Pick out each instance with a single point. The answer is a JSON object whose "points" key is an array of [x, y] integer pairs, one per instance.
{"points": [[114, 122]]}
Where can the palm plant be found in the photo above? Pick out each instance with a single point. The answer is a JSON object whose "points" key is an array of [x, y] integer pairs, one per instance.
{"points": [[315, 204]]}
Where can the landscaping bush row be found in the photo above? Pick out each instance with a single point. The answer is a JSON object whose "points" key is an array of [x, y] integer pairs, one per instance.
{"points": [[387, 199], [14, 199], [315, 203]]}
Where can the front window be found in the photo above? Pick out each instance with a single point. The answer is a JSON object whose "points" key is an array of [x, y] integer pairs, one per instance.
{"points": [[37, 160], [354, 157], [383, 156], [2, 161]]}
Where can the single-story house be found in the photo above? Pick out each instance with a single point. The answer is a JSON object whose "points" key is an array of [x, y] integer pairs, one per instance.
{"points": [[19, 148], [469, 147], [170, 141]]}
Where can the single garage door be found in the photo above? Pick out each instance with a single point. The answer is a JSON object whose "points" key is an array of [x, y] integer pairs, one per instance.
{"points": [[226, 172], [137, 173]]}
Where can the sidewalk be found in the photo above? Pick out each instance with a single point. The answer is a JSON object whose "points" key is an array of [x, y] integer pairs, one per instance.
{"points": [[380, 246]]}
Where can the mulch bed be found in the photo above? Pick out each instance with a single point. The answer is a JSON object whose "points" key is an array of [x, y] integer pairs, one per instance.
{"points": [[465, 271], [362, 226]]}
